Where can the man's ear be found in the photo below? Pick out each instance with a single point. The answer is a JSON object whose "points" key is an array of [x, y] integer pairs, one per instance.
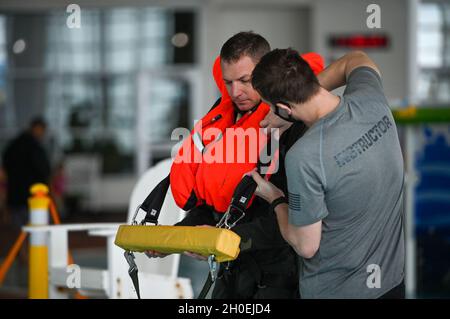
{"points": [[284, 107]]}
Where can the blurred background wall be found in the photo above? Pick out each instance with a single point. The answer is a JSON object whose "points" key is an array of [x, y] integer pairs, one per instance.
{"points": [[114, 89]]}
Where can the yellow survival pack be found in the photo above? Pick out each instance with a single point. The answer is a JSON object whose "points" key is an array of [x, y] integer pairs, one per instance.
{"points": [[220, 242]]}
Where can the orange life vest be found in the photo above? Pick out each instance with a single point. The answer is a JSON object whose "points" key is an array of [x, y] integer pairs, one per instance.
{"points": [[209, 165]]}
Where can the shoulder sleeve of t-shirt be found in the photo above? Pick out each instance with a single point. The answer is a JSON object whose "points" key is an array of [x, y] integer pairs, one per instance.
{"points": [[306, 193], [365, 83]]}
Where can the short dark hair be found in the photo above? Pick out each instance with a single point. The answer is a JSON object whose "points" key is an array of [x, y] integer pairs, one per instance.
{"points": [[38, 121], [241, 44], [282, 75]]}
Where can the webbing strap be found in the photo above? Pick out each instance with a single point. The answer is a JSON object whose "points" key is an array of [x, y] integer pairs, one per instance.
{"points": [[154, 201], [206, 287], [245, 190], [133, 271], [135, 279]]}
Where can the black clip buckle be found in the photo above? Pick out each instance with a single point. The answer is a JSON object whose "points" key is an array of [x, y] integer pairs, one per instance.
{"points": [[133, 271]]}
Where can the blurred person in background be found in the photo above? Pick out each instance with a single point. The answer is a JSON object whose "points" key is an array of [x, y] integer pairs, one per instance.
{"points": [[25, 162]]}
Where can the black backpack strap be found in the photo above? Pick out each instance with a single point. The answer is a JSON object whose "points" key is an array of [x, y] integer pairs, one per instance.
{"points": [[239, 202], [246, 188], [154, 201], [152, 206]]}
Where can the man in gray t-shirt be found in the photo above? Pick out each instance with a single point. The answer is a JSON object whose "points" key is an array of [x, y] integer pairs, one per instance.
{"points": [[345, 176]]}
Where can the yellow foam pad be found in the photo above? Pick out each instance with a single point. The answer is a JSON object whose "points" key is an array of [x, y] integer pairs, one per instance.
{"points": [[222, 243]]}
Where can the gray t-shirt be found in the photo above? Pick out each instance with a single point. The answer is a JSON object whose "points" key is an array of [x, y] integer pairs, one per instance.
{"points": [[347, 170]]}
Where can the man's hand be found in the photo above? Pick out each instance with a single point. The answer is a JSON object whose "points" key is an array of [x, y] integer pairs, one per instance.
{"points": [[273, 121], [265, 189], [195, 256], [154, 254]]}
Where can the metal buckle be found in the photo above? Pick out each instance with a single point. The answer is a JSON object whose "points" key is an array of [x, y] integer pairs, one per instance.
{"points": [[143, 222], [222, 220], [133, 221], [212, 267], [238, 219], [225, 220], [129, 256]]}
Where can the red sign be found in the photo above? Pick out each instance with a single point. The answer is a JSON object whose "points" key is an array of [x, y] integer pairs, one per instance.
{"points": [[359, 41]]}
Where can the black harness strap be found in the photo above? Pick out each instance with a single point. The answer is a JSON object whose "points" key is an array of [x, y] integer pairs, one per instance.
{"points": [[206, 287], [152, 206], [133, 271], [241, 196], [154, 201], [238, 206]]}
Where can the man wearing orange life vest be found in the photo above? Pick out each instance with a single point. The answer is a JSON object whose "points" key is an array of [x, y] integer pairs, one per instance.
{"points": [[266, 266]]}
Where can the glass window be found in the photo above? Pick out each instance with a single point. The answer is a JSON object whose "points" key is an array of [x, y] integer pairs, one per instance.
{"points": [[89, 77], [430, 37], [74, 50], [74, 103], [434, 52], [121, 115], [168, 108]]}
